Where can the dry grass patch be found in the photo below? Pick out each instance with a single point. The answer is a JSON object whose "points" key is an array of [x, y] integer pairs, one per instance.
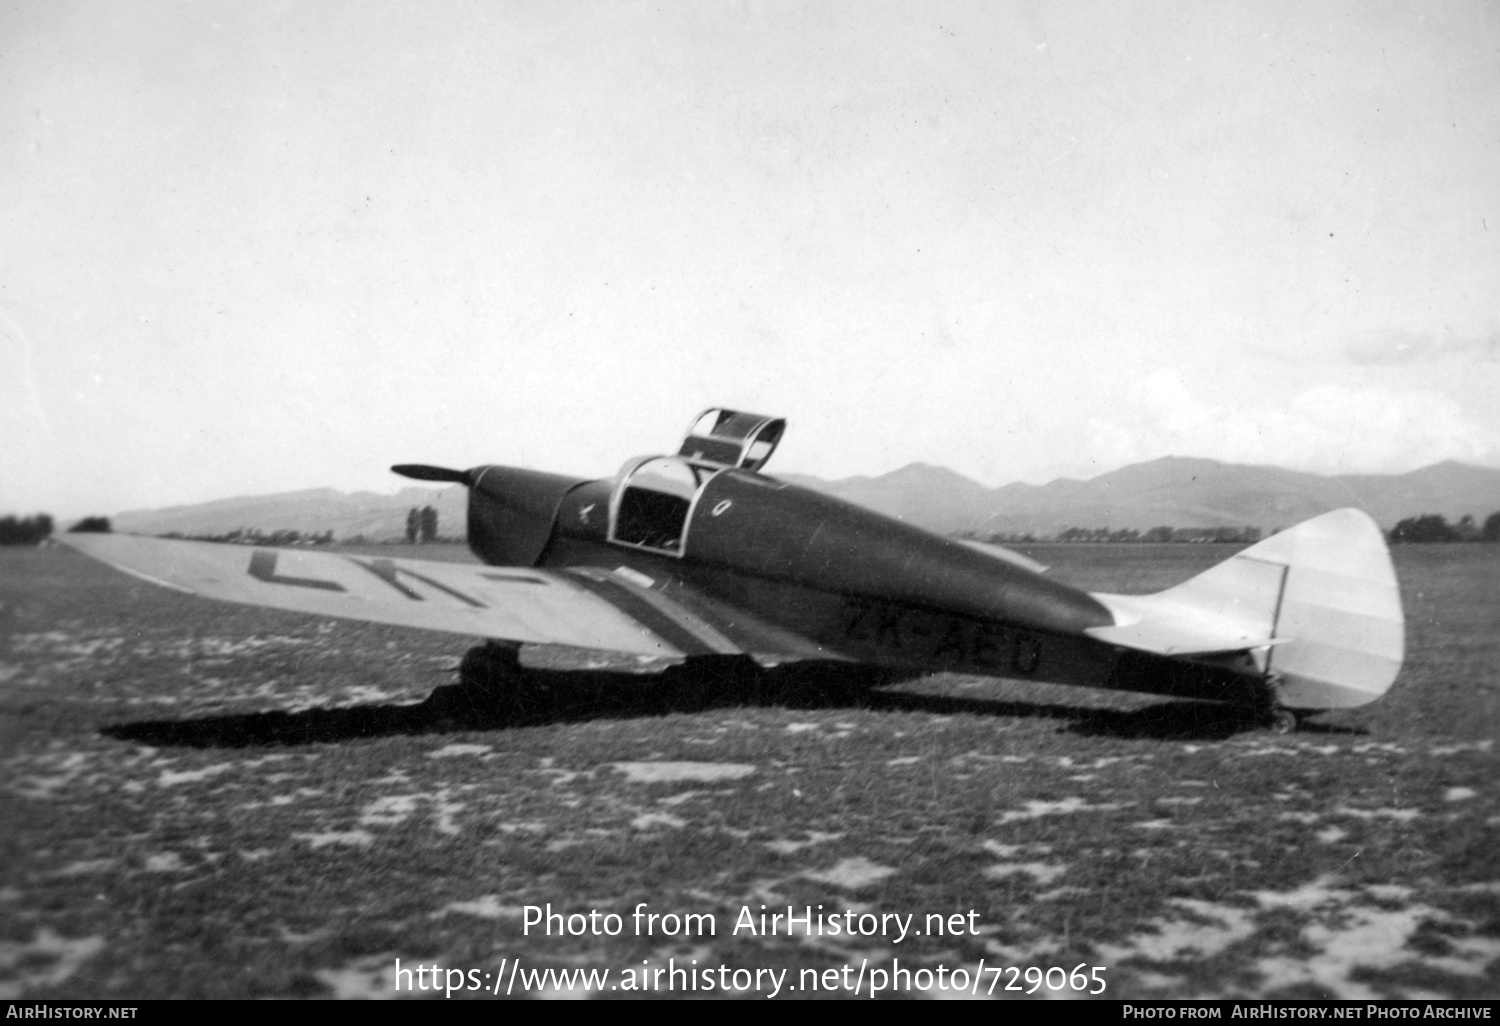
{"points": [[207, 800]]}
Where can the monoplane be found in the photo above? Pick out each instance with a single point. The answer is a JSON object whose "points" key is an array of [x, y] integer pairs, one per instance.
{"points": [[700, 554]]}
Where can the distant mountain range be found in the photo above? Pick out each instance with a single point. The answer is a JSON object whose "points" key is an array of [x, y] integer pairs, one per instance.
{"points": [[1173, 491]]}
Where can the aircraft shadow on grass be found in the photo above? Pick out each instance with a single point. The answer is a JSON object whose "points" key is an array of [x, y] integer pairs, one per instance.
{"points": [[540, 697]]}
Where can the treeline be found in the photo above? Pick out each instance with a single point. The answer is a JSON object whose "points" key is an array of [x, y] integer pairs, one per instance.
{"points": [[1129, 536], [254, 536], [1434, 527], [1159, 535], [25, 530], [35, 530], [1429, 527], [421, 525]]}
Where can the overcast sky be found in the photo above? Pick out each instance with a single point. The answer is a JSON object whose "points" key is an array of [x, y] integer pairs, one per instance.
{"points": [[252, 247]]}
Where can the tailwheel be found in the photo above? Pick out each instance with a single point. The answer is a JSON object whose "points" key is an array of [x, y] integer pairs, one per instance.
{"points": [[1283, 721], [1277, 717]]}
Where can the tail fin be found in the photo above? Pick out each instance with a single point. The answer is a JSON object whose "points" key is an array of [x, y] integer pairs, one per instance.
{"points": [[1317, 606]]}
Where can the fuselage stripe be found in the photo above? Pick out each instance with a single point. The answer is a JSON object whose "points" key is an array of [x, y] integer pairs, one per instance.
{"points": [[690, 621], [625, 598]]}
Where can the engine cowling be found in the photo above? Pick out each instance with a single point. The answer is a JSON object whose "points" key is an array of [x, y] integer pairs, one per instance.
{"points": [[512, 512]]}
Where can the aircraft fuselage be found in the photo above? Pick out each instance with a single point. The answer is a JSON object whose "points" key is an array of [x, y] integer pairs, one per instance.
{"points": [[808, 567]]}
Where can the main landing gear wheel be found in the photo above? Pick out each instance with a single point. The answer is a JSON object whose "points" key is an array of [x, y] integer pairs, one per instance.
{"points": [[492, 679]]}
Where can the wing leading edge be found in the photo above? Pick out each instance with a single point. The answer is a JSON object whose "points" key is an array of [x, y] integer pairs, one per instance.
{"points": [[585, 608]]}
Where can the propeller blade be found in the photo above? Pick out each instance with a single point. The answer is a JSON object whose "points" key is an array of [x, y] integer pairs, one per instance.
{"points": [[423, 472]]}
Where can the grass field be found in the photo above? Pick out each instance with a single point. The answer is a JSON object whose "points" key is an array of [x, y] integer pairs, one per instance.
{"points": [[204, 800]]}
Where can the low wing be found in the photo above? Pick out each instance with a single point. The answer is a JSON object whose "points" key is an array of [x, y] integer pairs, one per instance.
{"points": [[617, 611]]}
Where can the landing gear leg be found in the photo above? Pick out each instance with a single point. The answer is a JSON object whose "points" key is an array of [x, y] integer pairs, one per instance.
{"points": [[1277, 717]]}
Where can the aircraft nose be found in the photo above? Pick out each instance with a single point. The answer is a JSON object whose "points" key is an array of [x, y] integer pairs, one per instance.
{"points": [[512, 512]]}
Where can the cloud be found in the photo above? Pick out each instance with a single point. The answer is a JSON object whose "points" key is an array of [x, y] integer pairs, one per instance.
{"points": [[1326, 428], [1392, 346]]}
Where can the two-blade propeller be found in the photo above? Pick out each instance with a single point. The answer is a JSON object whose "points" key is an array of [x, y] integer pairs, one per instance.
{"points": [[424, 472]]}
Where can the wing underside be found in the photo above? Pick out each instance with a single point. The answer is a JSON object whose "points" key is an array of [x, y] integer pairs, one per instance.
{"points": [[616, 611]]}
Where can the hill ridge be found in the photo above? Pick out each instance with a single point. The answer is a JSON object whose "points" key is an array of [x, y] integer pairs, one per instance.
{"points": [[1166, 491]]}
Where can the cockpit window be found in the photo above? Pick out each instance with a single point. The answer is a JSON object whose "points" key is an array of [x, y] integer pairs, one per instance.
{"points": [[733, 438], [654, 502], [706, 422], [672, 477]]}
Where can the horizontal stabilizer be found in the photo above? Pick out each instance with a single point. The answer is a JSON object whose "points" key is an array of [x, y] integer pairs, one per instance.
{"points": [[1228, 608], [1171, 639], [1000, 552]]}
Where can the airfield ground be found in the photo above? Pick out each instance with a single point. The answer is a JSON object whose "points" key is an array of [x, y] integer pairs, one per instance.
{"points": [[205, 800]]}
